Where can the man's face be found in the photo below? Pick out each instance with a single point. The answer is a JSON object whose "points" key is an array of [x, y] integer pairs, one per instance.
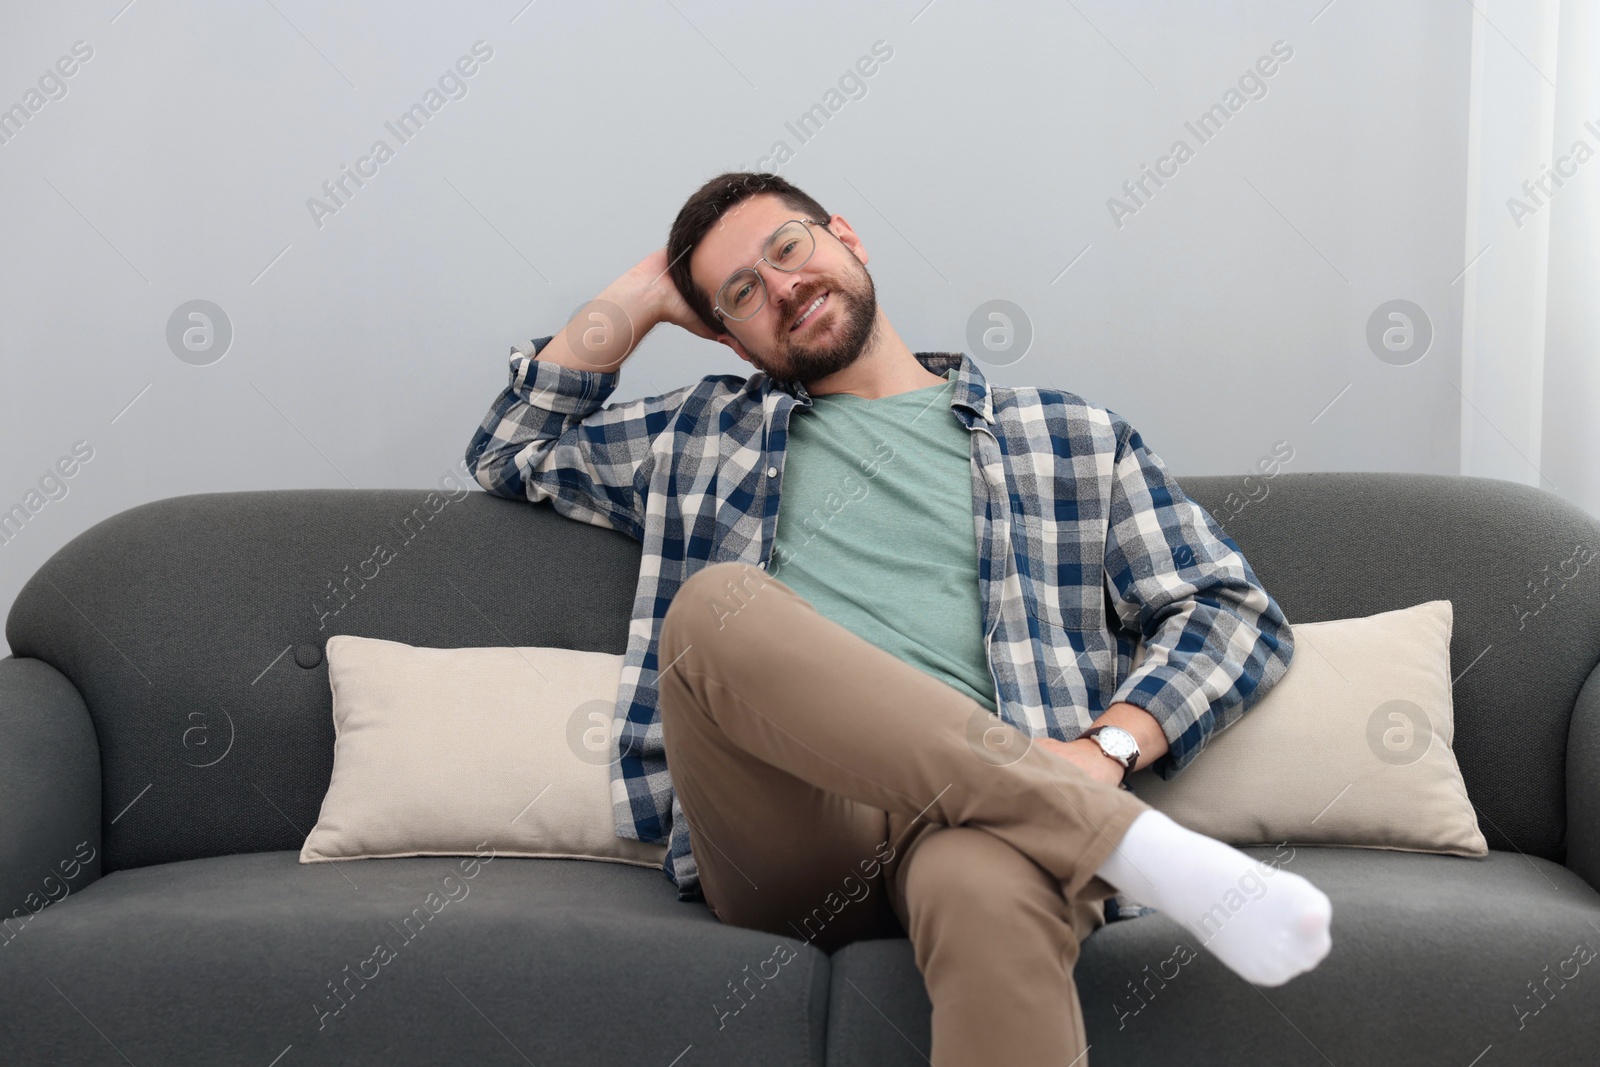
{"points": [[834, 335]]}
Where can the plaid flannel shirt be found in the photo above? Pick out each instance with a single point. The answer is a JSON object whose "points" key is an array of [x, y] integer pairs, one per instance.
{"points": [[1088, 549]]}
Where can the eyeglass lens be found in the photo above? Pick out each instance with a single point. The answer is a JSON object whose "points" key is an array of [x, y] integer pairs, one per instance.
{"points": [[743, 294]]}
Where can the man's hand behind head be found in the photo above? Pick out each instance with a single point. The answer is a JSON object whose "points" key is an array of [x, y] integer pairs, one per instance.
{"points": [[607, 329], [667, 304]]}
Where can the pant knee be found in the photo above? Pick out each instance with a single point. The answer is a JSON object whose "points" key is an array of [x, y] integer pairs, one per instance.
{"points": [[708, 600]]}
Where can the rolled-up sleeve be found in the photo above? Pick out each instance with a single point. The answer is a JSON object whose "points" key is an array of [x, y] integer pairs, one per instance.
{"points": [[1214, 641], [547, 437]]}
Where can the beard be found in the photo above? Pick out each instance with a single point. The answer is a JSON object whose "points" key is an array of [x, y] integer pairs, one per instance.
{"points": [[853, 308]]}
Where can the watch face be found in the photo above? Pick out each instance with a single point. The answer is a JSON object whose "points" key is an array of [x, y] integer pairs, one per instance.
{"points": [[1117, 742]]}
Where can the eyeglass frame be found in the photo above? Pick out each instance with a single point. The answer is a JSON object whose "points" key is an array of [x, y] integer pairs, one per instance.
{"points": [[716, 303]]}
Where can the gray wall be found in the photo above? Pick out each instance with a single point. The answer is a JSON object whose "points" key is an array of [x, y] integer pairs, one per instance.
{"points": [[1223, 316]]}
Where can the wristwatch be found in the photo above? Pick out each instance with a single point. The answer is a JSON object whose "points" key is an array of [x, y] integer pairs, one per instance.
{"points": [[1117, 743]]}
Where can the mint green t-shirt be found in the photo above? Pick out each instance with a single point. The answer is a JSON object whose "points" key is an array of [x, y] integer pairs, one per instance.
{"points": [[875, 528]]}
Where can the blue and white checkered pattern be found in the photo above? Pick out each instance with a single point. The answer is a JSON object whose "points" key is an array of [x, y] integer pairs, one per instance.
{"points": [[1088, 547]]}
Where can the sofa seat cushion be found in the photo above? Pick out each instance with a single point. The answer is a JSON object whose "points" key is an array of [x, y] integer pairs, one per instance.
{"points": [[235, 958], [1431, 963]]}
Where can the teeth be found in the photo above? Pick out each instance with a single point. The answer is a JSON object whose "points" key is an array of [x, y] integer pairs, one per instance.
{"points": [[814, 305]]}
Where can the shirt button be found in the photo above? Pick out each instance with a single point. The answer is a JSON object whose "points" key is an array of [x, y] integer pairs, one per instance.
{"points": [[772, 472]]}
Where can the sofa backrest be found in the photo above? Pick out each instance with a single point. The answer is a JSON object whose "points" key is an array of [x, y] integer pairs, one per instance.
{"points": [[194, 627], [1338, 546]]}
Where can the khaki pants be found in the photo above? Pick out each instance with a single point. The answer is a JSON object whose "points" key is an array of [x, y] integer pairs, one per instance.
{"points": [[824, 779]]}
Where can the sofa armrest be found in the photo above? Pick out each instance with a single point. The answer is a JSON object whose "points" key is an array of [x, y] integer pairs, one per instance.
{"points": [[49, 792], [1583, 783]]}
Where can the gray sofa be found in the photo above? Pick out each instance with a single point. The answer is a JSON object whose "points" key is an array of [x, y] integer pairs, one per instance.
{"points": [[165, 743]]}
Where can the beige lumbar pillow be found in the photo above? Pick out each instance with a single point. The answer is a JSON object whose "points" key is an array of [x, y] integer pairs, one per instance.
{"points": [[1350, 747], [439, 751]]}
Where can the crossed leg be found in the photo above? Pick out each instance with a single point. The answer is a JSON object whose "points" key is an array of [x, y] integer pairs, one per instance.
{"points": [[813, 767]]}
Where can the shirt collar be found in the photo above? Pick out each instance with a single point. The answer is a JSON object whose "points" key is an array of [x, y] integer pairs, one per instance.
{"points": [[971, 391]]}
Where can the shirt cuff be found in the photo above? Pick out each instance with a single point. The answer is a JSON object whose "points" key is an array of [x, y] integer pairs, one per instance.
{"points": [[1168, 694], [554, 387]]}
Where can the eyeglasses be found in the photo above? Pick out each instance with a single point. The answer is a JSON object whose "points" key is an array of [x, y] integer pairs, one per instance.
{"points": [[788, 249]]}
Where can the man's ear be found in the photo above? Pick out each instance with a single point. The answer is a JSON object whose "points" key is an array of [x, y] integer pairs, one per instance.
{"points": [[733, 343]]}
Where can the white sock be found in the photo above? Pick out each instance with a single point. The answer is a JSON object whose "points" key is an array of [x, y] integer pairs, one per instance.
{"points": [[1267, 925]]}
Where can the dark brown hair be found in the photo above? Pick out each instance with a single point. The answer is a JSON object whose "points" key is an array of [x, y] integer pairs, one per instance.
{"points": [[706, 208]]}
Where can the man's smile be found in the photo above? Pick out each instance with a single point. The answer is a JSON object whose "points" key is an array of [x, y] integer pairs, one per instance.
{"points": [[810, 312]]}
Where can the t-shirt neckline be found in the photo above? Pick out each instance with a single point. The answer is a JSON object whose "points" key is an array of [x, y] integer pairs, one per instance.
{"points": [[950, 377]]}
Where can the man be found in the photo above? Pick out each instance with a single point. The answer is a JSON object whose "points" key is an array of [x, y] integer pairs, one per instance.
{"points": [[881, 604]]}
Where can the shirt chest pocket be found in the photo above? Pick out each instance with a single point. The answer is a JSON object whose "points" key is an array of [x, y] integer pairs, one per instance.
{"points": [[1059, 587]]}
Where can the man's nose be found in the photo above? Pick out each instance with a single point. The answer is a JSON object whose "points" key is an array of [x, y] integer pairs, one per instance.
{"points": [[782, 291]]}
